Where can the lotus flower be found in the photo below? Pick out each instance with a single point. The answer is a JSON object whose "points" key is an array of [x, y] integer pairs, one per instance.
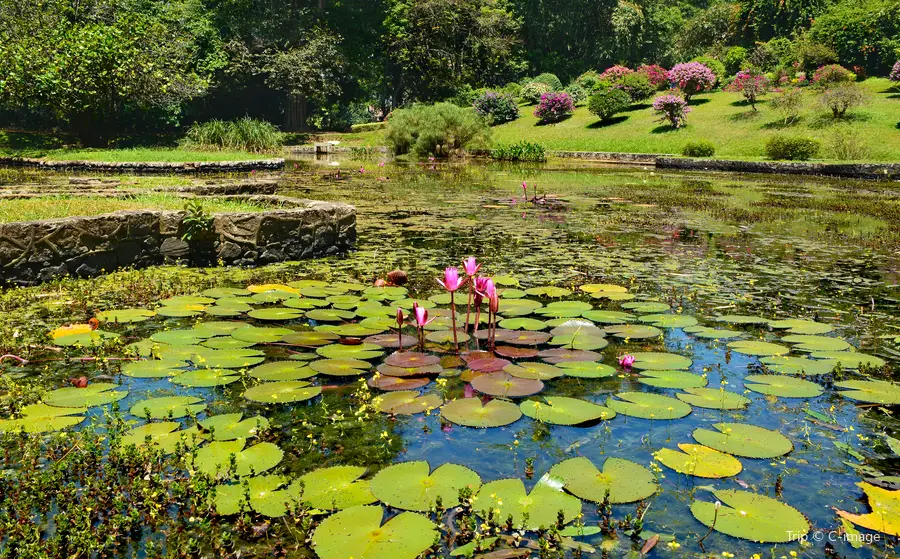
{"points": [[494, 303], [524, 190], [471, 266], [488, 288], [626, 361], [452, 281], [421, 314], [381, 163], [362, 170], [400, 317]]}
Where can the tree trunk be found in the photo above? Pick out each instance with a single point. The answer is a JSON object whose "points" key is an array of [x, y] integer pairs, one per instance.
{"points": [[294, 113]]}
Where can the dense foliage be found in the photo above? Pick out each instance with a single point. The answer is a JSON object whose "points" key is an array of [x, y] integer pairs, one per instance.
{"points": [[522, 150], [672, 109], [496, 107], [554, 106], [792, 148], [699, 148], [437, 130], [608, 103], [243, 134]]}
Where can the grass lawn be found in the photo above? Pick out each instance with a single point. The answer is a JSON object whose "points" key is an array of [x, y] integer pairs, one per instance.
{"points": [[51, 207], [721, 117]]}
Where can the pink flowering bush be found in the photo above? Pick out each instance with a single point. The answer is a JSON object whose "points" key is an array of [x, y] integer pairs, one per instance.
{"points": [[615, 73], [672, 109], [656, 74], [692, 78], [832, 74], [554, 106], [750, 84], [895, 75]]}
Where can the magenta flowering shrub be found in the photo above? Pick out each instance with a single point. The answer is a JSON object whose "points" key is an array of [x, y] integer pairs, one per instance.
{"points": [[554, 106], [656, 74], [672, 109], [692, 78], [615, 73], [832, 74], [895, 74], [750, 84]]}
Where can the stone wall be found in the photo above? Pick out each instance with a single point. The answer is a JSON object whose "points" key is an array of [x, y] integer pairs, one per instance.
{"points": [[147, 168], [870, 171], [38, 251]]}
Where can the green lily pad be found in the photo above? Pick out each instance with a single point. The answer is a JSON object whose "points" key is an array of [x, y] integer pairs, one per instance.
{"points": [[275, 313], [389, 383], [334, 488], [475, 548], [541, 506], [329, 315], [309, 339], [529, 370], [744, 514], [350, 330], [548, 291], [564, 309], [341, 367], [392, 371], [164, 436], [742, 319], [586, 369], [753, 347], [633, 331], [646, 306], [562, 355], [282, 392], [390, 293], [446, 336], [214, 458], [167, 407], [41, 418], [560, 410], [583, 338], [228, 358], [799, 326], [872, 391], [470, 412], [849, 359], [669, 320], [305, 304], [789, 365], [658, 361], [217, 328], [263, 492], [518, 307], [522, 324], [153, 368], [626, 481], [745, 440], [221, 292], [672, 379], [205, 378], [260, 335], [782, 386], [85, 339], [713, 398], [358, 532], [413, 486], [96, 394], [698, 460], [228, 342], [506, 385], [712, 333], [647, 406], [817, 343], [361, 351], [180, 337], [230, 426], [125, 316], [282, 370], [187, 300], [608, 317], [406, 402]]}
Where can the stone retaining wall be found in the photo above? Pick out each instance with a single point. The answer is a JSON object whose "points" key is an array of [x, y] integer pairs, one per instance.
{"points": [[38, 251], [870, 171], [147, 168]]}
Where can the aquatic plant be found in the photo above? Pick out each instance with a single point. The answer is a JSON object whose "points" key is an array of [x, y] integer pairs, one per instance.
{"points": [[471, 267]]}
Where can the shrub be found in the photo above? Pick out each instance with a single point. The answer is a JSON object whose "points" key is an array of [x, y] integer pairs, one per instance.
{"points": [[692, 78], [246, 134], [895, 75], [438, 129], [751, 84], [832, 74], [841, 98], [496, 108], [520, 151], [656, 74], [714, 65], [672, 109], [788, 104], [550, 80], [699, 148], [606, 104], [577, 93], [734, 59], [615, 73], [811, 55], [466, 96], [554, 106], [532, 92], [791, 148], [637, 86], [513, 89], [846, 144], [588, 80], [368, 126]]}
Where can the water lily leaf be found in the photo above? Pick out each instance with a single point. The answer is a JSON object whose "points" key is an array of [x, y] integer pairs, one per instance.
{"points": [[849, 359], [548, 291], [264, 496], [529, 370], [608, 317], [222, 292], [205, 378], [745, 440], [470, 412], [391, 371], [334, 488], [223, 311], [753, 347], [446, 336], [217, 328], [541, 506], [260, 335], [300, 284], [564, 309], [648, 406], [488, 364], [391, 341], [782, 386], [282, 370], [390, 293], [634, 331], [305, 304], [671, 379], [125, 316], [522, 324], [269, 287], [229, 426], [85, 339], [275, 313], [885, 515], [788, 365], [389, 383], [164, 436], [817, 343], [361, 351], [799, 326], [214, 459], [669, 320], [506, 385], [41, 418], [413, 486], [221, 342], [559, 356], [282, 392], [341, 367], [180, 311], [379, 323], [713, 398], [746, 515], [646, 306], [475, 548], [518, 307], [626, 481], [584, 338], [713, 334], [523, 338], [742, 319], [153, 368], [228, 358], [187, 300], [560, 410], [358, 532], [601, 287], [308, 339], [586, 369], [166, 407], [180, 337], [658, 361], [406, 402], [408, 359], [515, 352], [96, 394], [873, 391], [698, 460]]}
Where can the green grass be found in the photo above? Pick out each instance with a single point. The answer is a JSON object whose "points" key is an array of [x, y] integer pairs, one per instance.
{"points": [[52, 207], [720, 117]]}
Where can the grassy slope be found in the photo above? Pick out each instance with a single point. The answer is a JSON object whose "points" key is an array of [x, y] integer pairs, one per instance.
{"points": [[721, 117]]}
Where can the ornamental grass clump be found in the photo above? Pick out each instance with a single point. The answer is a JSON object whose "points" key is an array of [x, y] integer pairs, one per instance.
{"points": [[672, 109], [692, 78], [554, 106]]}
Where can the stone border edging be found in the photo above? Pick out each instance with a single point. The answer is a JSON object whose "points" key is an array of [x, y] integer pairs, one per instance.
{"points": [[148, 167], [869, 171]]}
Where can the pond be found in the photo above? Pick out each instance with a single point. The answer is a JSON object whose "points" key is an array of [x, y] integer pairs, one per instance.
{"points": [[704, 280]]}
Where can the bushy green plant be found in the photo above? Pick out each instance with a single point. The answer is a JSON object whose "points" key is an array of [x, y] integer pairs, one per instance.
{"points": [[554, 106], [791, 148], [846, 144], [833, 74], [440, 130], [466, 96], [577, 93], [608, 103], [734, 59], [637, 85], [246, 134], [532, 92], [788, 104], [520, 151], [841, 98], [699, 148], [810, 55], [496, 107], [588, 80], [513, 89], [550, 80], [713, 64]]}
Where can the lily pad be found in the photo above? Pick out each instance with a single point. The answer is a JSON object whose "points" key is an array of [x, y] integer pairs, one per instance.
{"points": [[470, 412], [487, 364], [85, 339], [282, 370], [562, 355], [205, 378], [509, 498], [744, 514], [275, 314], [849, 359], [885, 515], [282, 392], [308, 339], [658, 361], [214, 458], [782, 386], [446, 336], [713, 334], [698, 460], [518, 307], [41, 418], [564, 309], [153, 368], [626, 481], [166, 407], [608, 317], [584, 338], [788, 365], [799, 326], [872, 391], [163, 435], [334, 488], [672, 379], [646, 306], [358, 532], [341, 367], [817, 343], [179, 337], [406, 402], [230, 426], [413, 486], [260, 335], [228, 358], [745, 440], [548, 291], [647, 406], [264, 496], [713, 398], [530, 370], [586, 369], [742, 319], [560, 410], [522, 324], [96, 394], [389, 383], [390, 371], [125, 316], [341, 351], [409, 359], [633, 331], [506, 385], [754, 347], [669, 320]]}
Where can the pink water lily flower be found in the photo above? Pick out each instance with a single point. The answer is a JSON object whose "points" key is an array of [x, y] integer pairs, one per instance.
{"points": [[362, 170], [488, 289], [626, 361], [381, 163], [400, 316], [524, 190], [421, 314], [471, 266], [451, 281]]}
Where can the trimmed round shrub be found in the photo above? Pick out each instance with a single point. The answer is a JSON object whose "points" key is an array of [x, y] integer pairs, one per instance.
{"points": [[606, 104], [577, 93], [549, 80], [692, 78], [734, 59], [615, 73], [832, 74], [554, 106], [637, 86], [532, 92], [588, 80], [496, 107], [672, 109], [715, 66], [656, 74], [843, 97], [513, 89], [699, 148], [791, 148]]}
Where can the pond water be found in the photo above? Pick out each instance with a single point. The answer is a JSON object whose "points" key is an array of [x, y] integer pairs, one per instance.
{"points": [[702, 247]]}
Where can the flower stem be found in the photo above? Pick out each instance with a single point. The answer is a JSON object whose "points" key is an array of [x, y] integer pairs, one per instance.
{"points": [[469, 306], [453, 320]]}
